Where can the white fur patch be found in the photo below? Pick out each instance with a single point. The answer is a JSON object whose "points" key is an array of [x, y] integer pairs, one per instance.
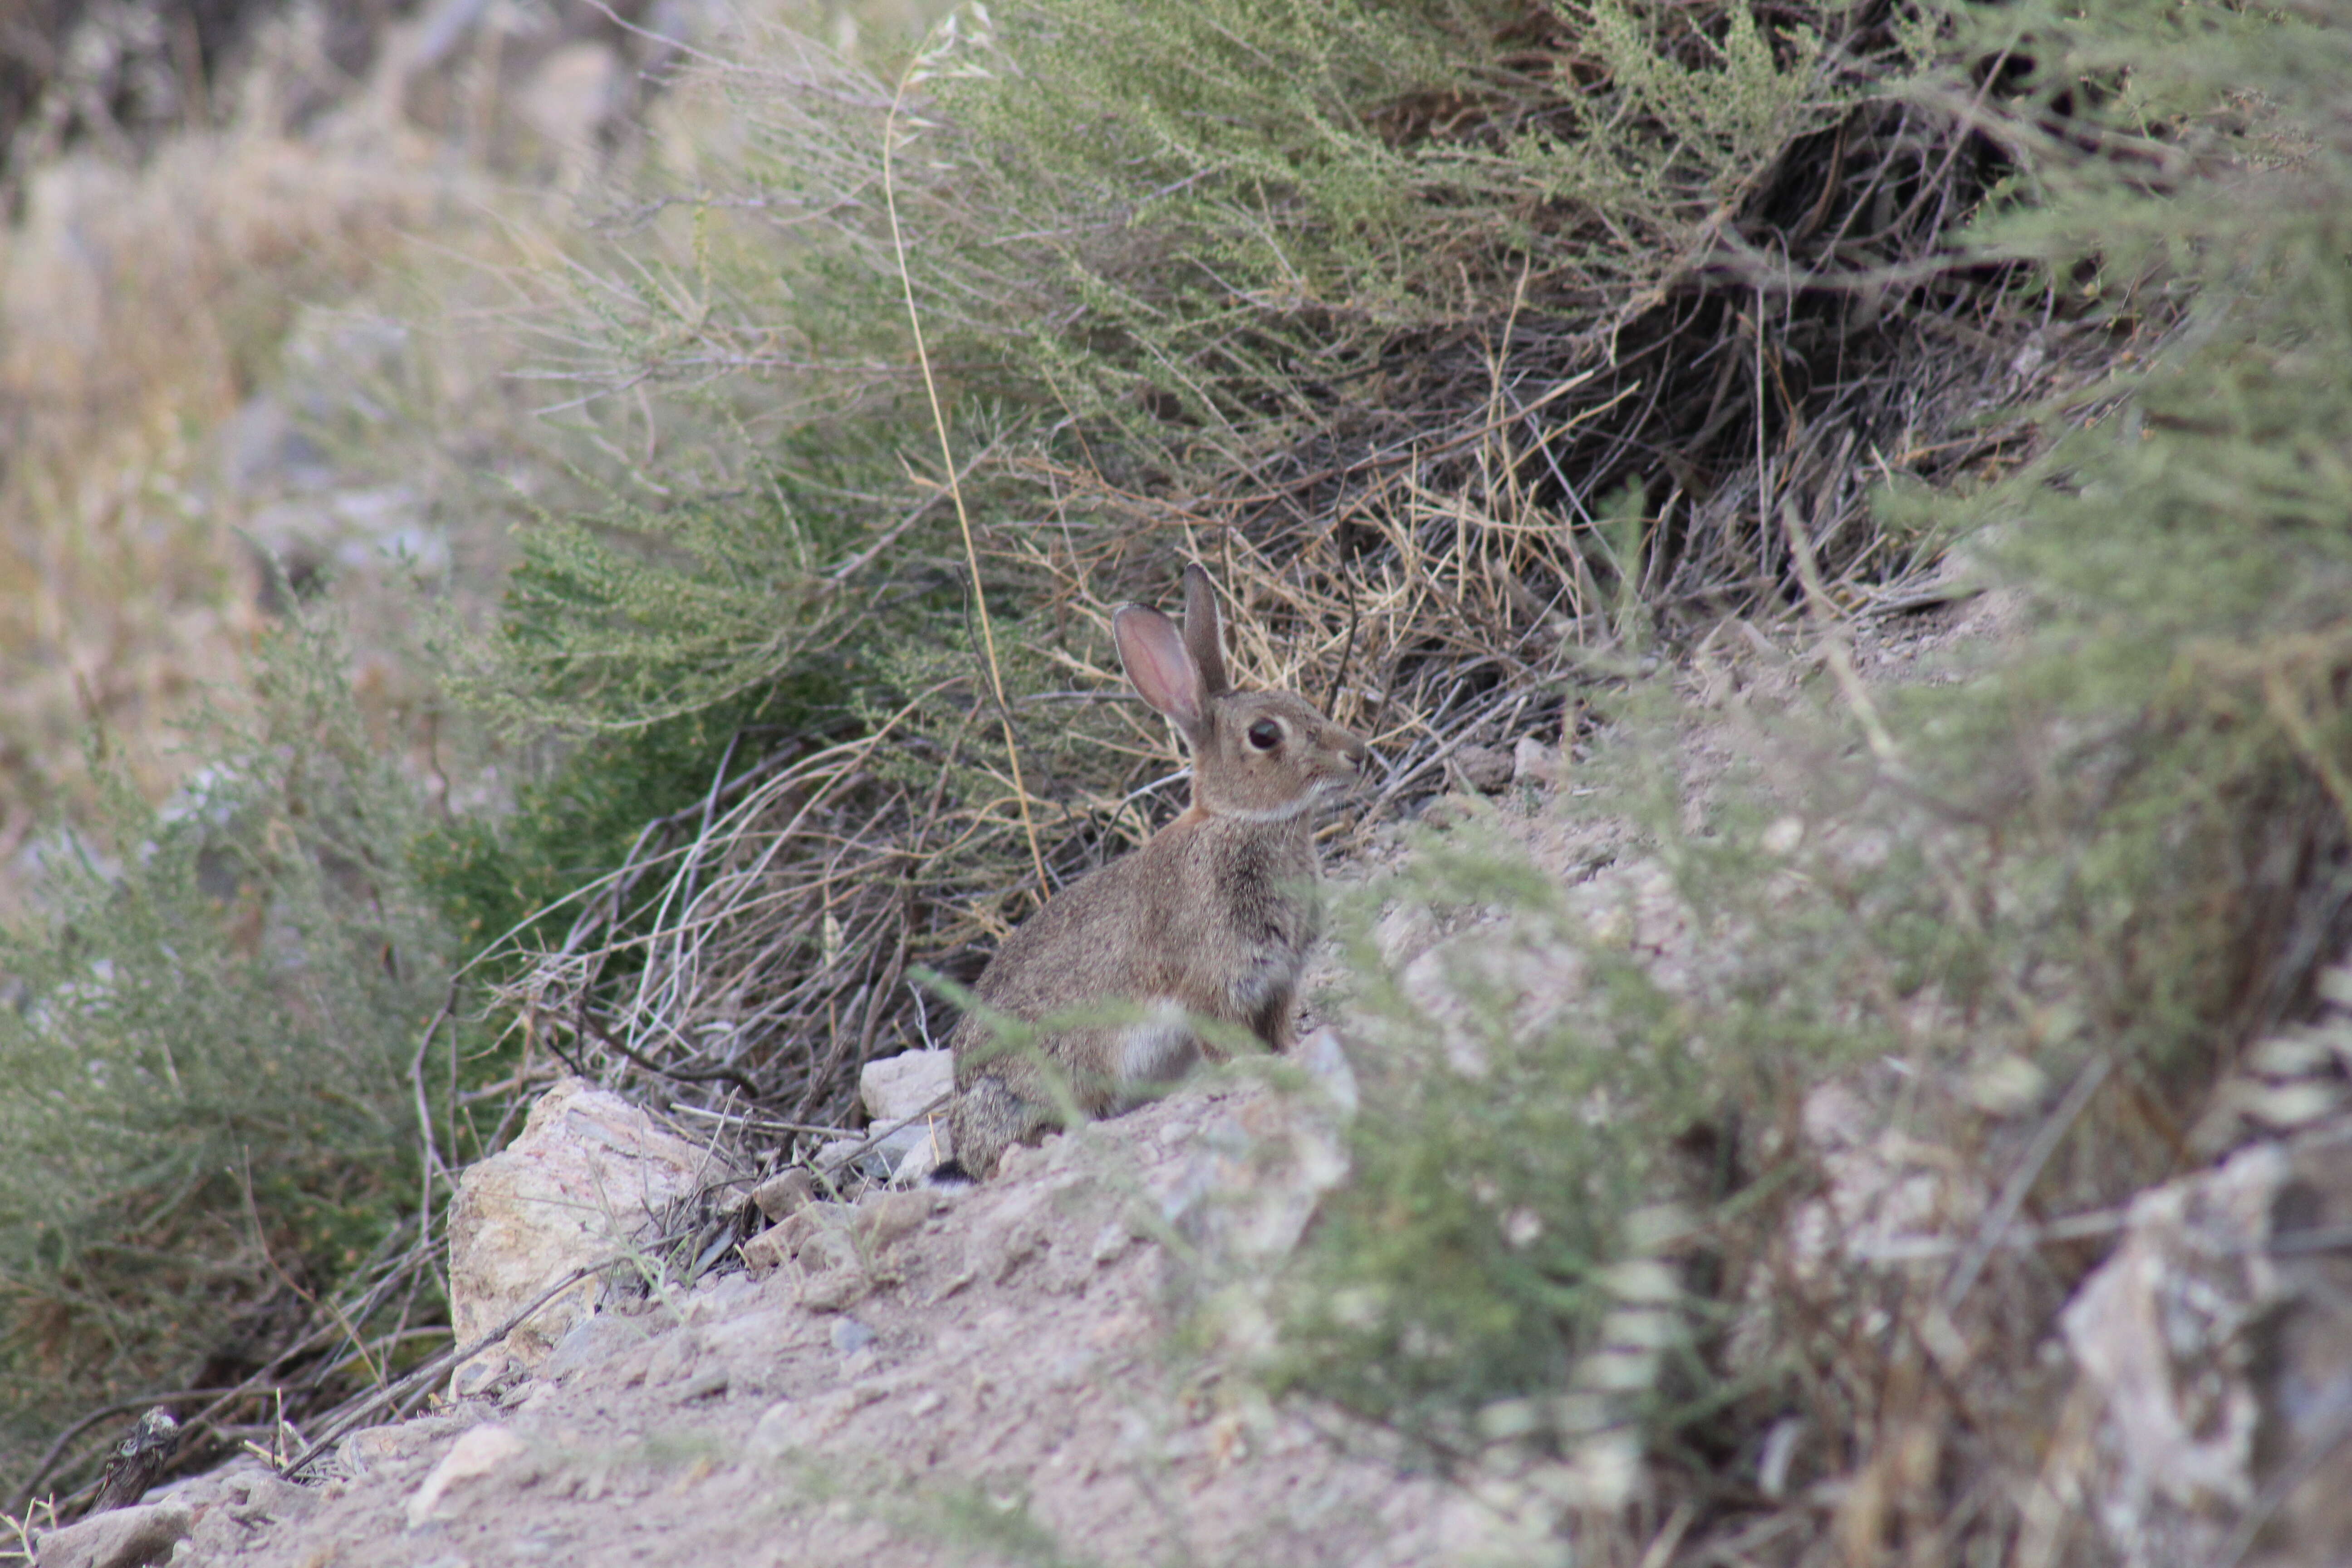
{"points": [[1266, 979], [1159, 1050]]}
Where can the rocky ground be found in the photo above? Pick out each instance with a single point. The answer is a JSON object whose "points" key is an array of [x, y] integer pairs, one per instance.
{"points": [[1052, 1368], [935, 1373]]}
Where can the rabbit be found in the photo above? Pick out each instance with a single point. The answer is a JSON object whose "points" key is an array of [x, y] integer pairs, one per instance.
{"points": [[1210, 919]]}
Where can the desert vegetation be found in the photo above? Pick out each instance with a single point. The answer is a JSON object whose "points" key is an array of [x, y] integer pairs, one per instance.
{"points": [[1604, 381]]}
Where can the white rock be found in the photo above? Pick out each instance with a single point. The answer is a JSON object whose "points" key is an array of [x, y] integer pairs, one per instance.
{"points": [[1483, 768], [120, 1538], [594, 1339], [902, 1086], [479, 1453], [588, 1179], [1326, 1061], [2167, 1331], [926, 1152], [1533, 761], [674, 1358], [2009, 1085], [884, 1159], [782, 1430], [371, 1447], [784, 1192]]}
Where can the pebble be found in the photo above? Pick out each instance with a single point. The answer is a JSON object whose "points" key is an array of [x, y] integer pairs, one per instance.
{"points": [[590, 1342], [703, 1385], [784, 1194]]}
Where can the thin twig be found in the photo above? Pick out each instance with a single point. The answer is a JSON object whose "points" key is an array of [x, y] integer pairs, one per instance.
{"points": [[2046, 1139], [844, 1156], [955, 485], [429, 1370]]}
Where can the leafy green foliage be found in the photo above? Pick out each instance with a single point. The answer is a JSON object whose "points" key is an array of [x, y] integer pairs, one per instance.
{"points": [[491, 876], [1512, 1131], [2177, 726], [1155, 244], [654, 610], [216, 1007], [2105, 857], [1272, 196]]}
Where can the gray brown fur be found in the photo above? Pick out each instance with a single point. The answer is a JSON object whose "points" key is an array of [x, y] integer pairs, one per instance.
{"points": [[1211, 919]]}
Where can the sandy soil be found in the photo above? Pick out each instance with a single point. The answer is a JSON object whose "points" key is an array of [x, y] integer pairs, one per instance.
{"points": [[997, 1383]]}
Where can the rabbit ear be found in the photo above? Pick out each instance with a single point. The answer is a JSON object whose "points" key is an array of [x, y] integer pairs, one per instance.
{"points": [[1153, 654], [1203, 634]]}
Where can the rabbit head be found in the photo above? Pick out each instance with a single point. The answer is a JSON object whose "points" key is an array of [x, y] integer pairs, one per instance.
{"points": [[1257, 756]]}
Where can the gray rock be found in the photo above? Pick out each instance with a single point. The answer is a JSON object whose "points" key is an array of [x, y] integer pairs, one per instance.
{"points": [[850, 1336], [486, 1375], [123, 1538], [1534, 763], [902, 1086], [1483, 768], [780, 1431], [590, 1342], [371, 1449], [1324, 1060], [674, 1358], [2217, 1339], [715, 1301], [482, 1452], [885, 1219], [1012, 1230], [903, 1156], [779, 1243], [706, 1382], [760, 1335], [784, 1192], [836, 1290], [1109, 1242]]}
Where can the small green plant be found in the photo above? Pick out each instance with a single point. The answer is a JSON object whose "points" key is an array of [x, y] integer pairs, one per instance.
{"points": [[1527, 1084]]}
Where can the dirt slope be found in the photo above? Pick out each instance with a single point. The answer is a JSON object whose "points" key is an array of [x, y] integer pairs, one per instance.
{"points": [[1001, 1372]]}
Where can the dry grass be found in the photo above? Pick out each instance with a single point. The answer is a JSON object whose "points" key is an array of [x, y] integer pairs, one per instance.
{"points": [[142, 308], [332, 267], [754, 952], [149, 298]]}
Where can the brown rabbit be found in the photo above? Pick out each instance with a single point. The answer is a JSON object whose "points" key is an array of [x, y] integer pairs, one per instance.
{"points": [[1210, 920]]}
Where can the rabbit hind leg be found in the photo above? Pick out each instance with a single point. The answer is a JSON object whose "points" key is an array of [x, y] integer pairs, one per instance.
{"points": [[986, 1120]]}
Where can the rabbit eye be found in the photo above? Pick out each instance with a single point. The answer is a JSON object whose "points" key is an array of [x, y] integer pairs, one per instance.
{"points": [[1265, 735]]}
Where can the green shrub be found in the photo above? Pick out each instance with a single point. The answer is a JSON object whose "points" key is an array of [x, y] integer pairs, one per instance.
{"points": [[1232, 217], [2175, 728], [217, 1009], [648, 611], [2100, 862], [1510, 1131], [493, 874]]}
